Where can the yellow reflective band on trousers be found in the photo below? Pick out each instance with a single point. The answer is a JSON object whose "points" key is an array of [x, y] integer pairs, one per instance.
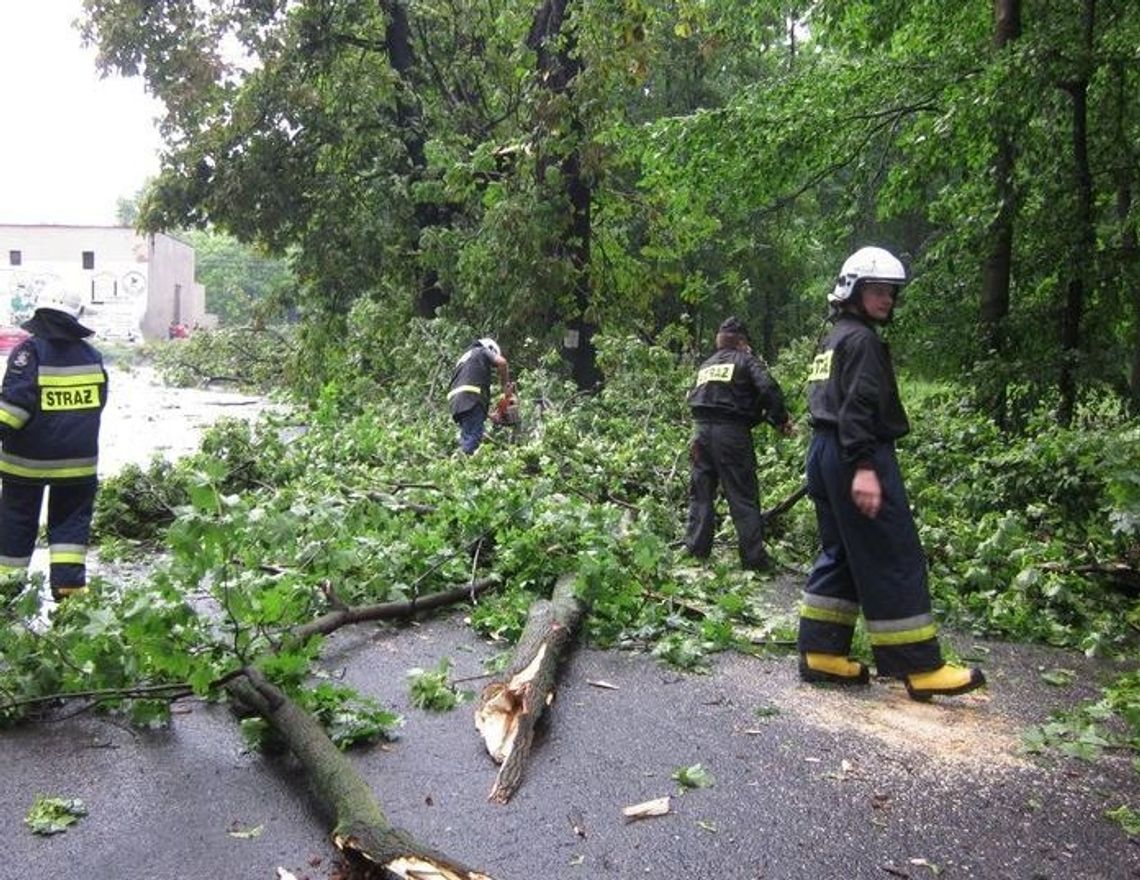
{"points": [[63, 468], [67, 554], [908, 631], [464, 389], [828, 610]]}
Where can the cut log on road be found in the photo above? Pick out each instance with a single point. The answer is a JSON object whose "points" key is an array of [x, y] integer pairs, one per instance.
{"points": [[374, 849], [511, 705]]}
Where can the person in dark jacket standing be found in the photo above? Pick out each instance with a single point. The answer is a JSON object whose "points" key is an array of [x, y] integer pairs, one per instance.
{"points": [[51, 404], [733, 392], [871, 558], [469, 395]]}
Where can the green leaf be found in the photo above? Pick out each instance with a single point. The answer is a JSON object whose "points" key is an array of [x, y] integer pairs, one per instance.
{"points": [[430, 689], [693, 776], [246, 833], [1127, 818], [1059, 677], [53, 815]]}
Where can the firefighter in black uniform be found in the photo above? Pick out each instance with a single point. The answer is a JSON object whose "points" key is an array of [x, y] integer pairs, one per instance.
{"points": [[469, 395], [51, 402], [871, 558], [734, 392]]}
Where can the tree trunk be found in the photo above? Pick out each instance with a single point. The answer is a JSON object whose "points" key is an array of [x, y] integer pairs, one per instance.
{"points": [[1084, 236], [558, 65], [398, 42], [1129, 250], [360, 829], [511, 705], [996, 266]]}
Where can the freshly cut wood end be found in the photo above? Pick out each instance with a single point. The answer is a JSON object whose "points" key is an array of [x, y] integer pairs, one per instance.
{"points": [[417, 868], [656, 807], [502, 704], [496, 719]]}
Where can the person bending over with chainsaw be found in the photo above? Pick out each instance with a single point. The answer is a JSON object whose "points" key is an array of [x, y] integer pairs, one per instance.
{"points": [[733, 392], [51, 404], [871, 558], [469, 395]]}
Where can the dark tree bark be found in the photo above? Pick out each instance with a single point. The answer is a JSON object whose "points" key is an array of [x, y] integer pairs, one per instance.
{"points": [[1084, 236], [345, 615], [511, 705], [558, 65], [360, 829], [997, 264], [1129, 249], [401, 55]]}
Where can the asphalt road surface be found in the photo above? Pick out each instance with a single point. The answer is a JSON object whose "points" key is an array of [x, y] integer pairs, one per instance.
{"points": [[808, 783]]}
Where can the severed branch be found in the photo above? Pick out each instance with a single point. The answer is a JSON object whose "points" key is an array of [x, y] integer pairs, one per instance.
{"points": [[343, 615], [784, 506], [361, 831], [511, 705]]}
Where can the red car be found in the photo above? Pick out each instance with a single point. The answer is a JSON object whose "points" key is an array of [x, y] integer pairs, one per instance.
{"points": [[10, 337]]}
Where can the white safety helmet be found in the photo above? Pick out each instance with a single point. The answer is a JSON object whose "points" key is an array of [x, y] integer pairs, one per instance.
{"points": [[488, 343], [54, 295], [867, 264]]}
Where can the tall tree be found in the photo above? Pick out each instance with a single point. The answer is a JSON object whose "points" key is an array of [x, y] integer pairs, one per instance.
{"points": [[559, 63], [1083, 234], [997, 263]]}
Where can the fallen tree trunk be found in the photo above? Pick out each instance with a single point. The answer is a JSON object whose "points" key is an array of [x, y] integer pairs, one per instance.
{"points": [[511, 705], [374, 849]]}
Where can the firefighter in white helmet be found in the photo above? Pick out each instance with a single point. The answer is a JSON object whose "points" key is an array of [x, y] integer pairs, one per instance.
{"points": [[469, 394], [871, 559], [52, 398]]}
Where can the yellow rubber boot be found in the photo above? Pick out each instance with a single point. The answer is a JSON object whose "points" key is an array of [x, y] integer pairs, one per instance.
{"points": [[834, 668], [945, 681]]}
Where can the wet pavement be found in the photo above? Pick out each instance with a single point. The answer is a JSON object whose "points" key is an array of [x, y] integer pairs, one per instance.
{"points": [[145, 418], [809, 783]]}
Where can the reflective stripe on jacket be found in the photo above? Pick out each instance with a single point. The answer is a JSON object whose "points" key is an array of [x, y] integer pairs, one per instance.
{"points": [[51, 405], [471, 381]]}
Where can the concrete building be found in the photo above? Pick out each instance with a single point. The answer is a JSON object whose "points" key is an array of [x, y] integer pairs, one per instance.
{"points": [[134, 286]]}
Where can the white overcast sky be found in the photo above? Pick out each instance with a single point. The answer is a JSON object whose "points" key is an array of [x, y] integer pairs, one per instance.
{"points": [[71, 144]]}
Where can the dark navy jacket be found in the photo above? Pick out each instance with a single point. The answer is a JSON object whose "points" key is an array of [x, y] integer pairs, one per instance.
{"points": [[471, 381], [734, 386], [852, 389], [51, 404]]}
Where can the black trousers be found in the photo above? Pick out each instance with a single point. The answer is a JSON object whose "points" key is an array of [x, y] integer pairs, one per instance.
{"points": [[876, 566], [70, 506], [722, 453]]}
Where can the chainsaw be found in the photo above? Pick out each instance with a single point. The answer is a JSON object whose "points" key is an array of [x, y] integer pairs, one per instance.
{"points": [[506, 411]]}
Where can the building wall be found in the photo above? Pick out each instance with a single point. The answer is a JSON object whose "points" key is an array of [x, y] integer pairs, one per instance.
{"points": [[175, 297], [133, 285]]}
